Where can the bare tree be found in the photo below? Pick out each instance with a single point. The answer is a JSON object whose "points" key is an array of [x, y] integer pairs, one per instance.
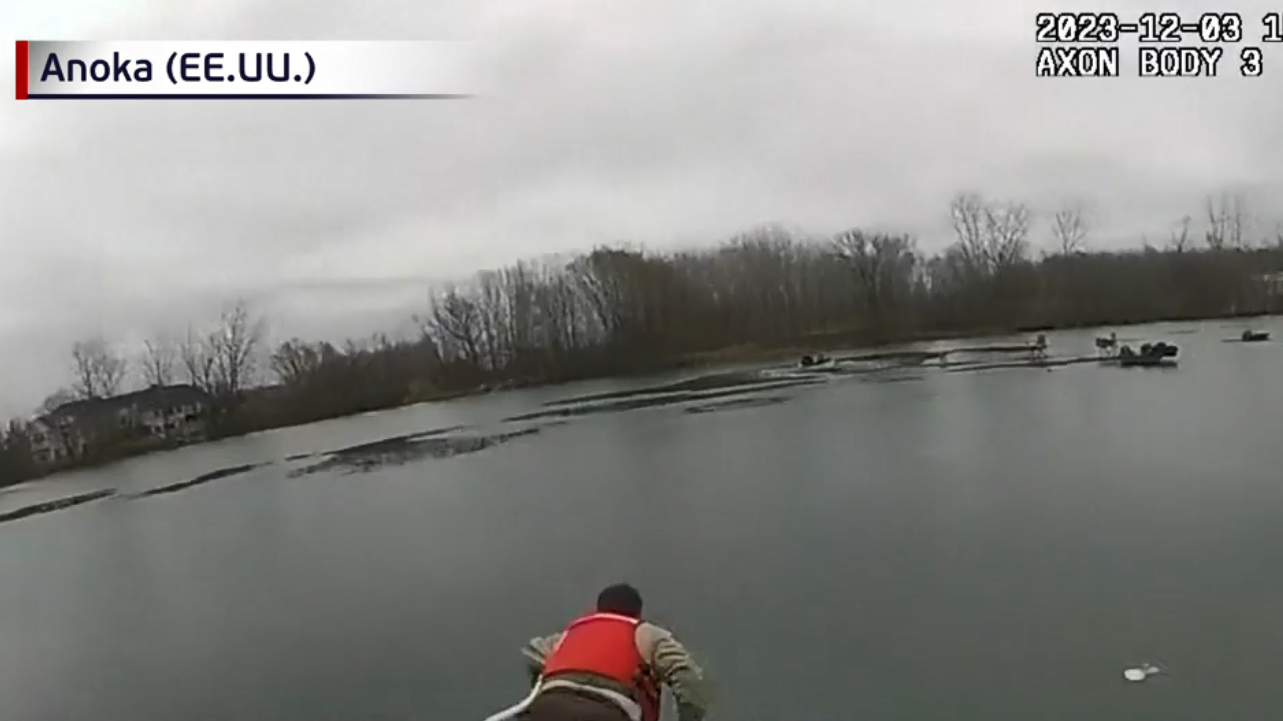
{"points": [[456, 324], [56, 400], [967, 216], [1179, 241], [427, 343], [1226, 222], [1069, 228], [883, 266], [492, 304], [1006, 234], [98, 370], [1240, 222], [423, 323], [991, 236], [197, 360], [296, 362], [233, 348], [158, 360]]}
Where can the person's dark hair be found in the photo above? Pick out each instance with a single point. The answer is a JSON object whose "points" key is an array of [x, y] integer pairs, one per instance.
{"points": [[621, 599]]}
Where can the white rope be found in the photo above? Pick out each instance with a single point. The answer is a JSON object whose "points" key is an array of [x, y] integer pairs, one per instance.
{"points": [[518, 707]]}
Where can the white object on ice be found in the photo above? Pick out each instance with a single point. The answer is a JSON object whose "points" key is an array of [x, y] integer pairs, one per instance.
{"points": [[1142, 672]]}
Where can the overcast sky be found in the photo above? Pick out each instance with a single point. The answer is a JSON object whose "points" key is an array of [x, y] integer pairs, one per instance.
{"points": [[658, 121]]}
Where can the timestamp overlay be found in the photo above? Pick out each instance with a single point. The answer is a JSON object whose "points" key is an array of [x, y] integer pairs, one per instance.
{"points": [[1168, 45]]}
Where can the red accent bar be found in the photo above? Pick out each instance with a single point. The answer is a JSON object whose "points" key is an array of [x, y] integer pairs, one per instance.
{"points": [[23, 69]]}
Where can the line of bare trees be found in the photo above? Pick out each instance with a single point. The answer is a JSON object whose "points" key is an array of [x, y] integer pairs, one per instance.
{"points": [[221, 360], [620, 309]]}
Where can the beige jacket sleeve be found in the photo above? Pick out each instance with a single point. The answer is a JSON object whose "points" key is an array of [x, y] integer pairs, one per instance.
{"points": [[674, 666], [536, 651]]}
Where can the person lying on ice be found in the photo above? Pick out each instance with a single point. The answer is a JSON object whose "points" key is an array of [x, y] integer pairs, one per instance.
{"points": [[611, 666]]}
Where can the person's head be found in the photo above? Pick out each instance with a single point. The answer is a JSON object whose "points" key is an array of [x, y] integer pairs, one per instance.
{"points": [[620, 599]]}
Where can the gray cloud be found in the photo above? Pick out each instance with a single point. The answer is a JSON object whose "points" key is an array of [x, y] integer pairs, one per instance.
{"points": [[661, 122]]}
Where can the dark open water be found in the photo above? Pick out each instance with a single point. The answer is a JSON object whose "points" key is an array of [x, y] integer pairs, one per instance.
{"points": [[990, 545]]}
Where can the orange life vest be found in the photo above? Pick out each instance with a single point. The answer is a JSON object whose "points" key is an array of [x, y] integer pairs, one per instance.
{"points": [[605, 644]]}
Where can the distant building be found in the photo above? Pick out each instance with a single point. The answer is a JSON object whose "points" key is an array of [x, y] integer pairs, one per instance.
{"points": [[47, 444], [167, 414]]}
